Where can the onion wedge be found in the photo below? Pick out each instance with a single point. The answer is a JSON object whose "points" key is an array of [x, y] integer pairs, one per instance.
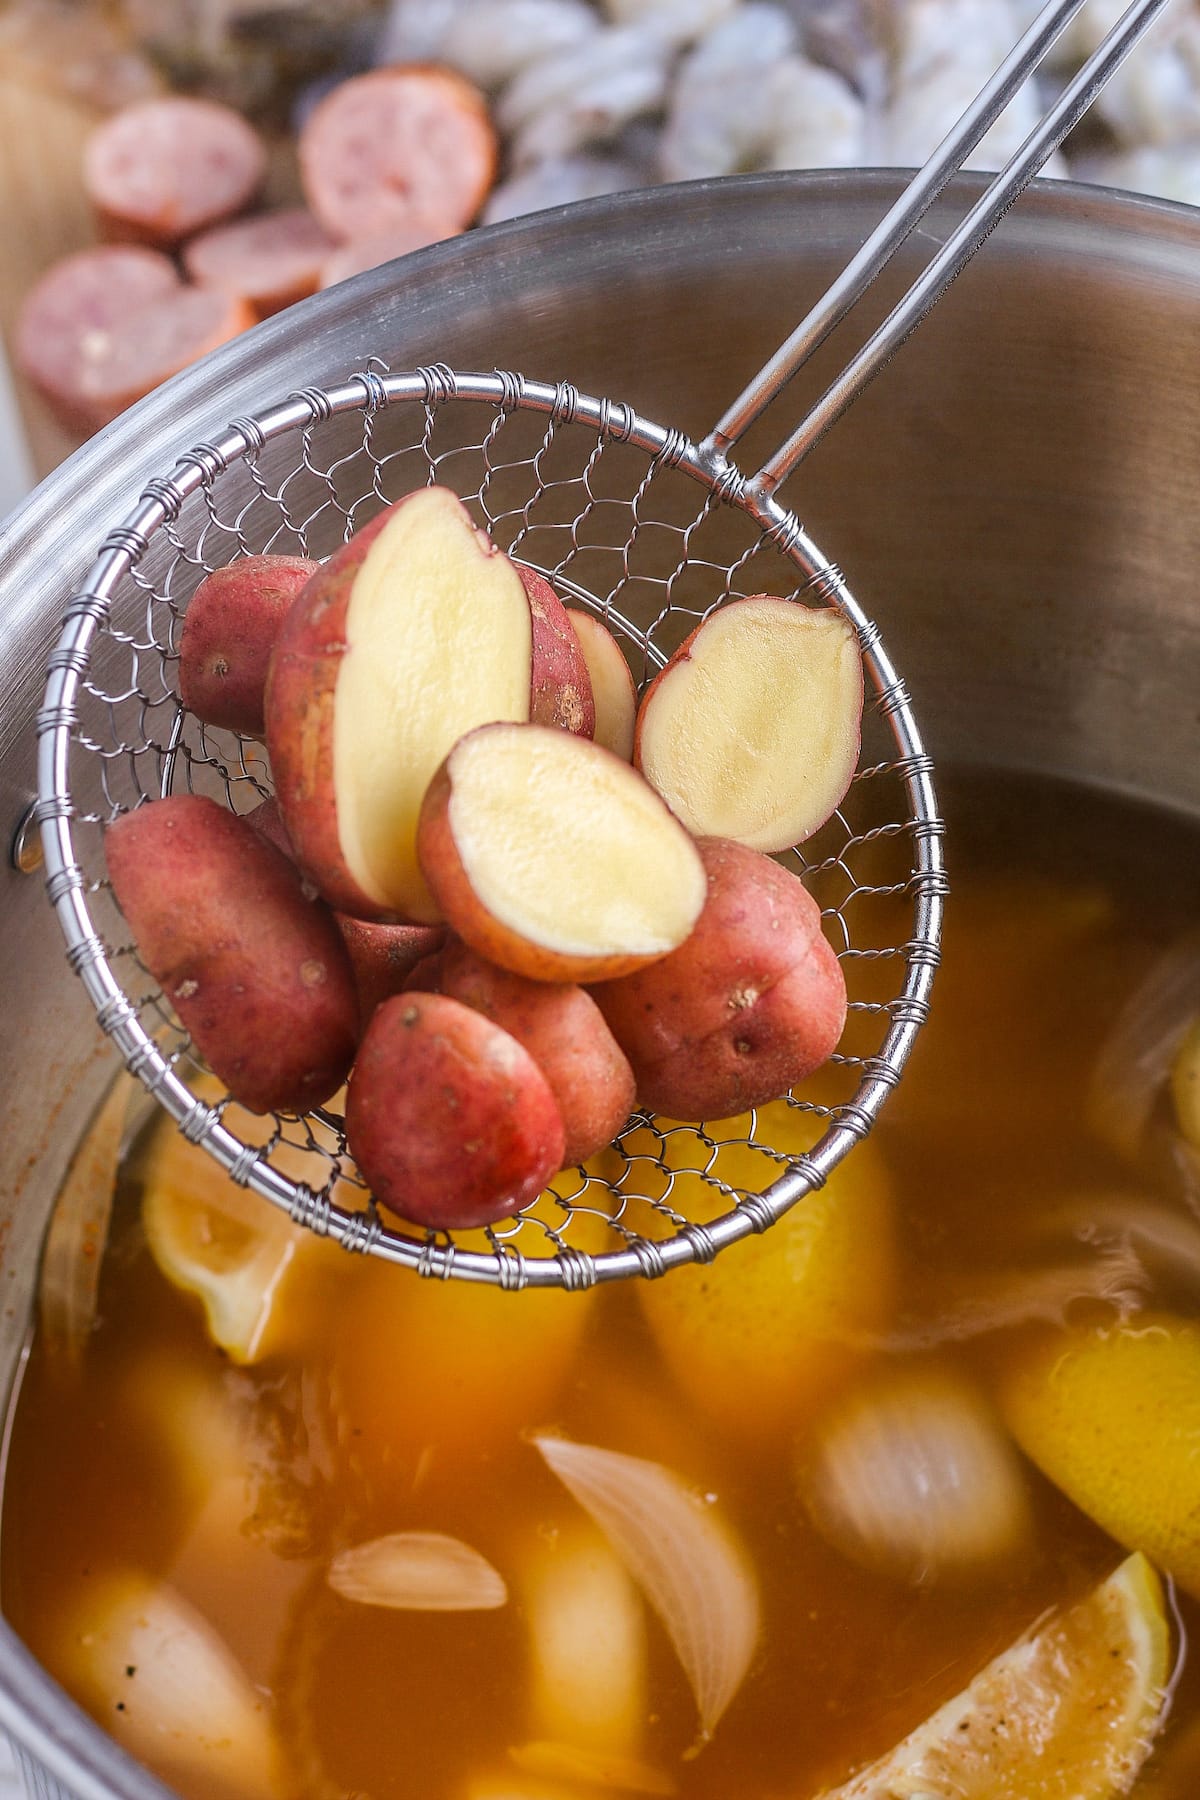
{"points": [[691, 1568]]}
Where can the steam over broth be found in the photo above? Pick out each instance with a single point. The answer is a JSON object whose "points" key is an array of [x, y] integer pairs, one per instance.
{"points": [[383, 1408]]}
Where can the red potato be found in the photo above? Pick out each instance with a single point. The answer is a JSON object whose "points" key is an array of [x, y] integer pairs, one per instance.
{"points": [[266, 821], [752, 730], [426, 976], [229, 631], [362, 253], [561, 687], [164, 169], [613, 690], [413, 633], [752, 1002], [564, 1031], [256, 971], [553, 858], [399, 145], [450, 1121], [270, 261], [384, 957]]}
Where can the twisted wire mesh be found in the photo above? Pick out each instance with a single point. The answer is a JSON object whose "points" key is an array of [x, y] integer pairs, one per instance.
{"points": [[607, 505]]}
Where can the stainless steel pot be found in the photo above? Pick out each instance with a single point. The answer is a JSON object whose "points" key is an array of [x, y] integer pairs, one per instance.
{"points": [[1015, 499]]}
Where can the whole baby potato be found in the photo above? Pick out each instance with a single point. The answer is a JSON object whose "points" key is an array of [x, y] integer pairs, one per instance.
{"points": [[255, 968], [564, 1031], [229, 631], [749, 1004], [451, 1122]]}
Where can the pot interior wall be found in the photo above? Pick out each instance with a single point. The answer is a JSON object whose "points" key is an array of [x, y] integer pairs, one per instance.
{"points": [[1014, 500]]}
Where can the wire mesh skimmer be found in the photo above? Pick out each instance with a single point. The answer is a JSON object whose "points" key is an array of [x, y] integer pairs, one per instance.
{"points": [[649, 531]]}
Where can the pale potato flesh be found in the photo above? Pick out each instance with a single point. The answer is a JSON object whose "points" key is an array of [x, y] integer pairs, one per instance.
{"points": [[568, 847], [753, 734], [612, 684], [439, 641]]}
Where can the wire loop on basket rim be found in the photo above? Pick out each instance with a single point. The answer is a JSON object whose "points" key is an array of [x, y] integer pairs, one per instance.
{"points": [[112, 732]]}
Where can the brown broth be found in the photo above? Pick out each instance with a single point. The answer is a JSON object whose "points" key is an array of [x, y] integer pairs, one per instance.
{"points": [[1061, 901]]}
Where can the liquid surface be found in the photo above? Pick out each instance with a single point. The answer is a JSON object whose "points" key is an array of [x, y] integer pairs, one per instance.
{"points": [[412, 1411]]}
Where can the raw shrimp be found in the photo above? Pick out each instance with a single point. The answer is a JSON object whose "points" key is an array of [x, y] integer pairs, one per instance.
{"points": [[946, 50], [583, 96], [1169, 171], [746, 99], [560, 183], [677, 21], [491, 41], [1154, 98]]}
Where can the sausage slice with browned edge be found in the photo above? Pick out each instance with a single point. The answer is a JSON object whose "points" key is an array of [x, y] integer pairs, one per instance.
{"points": [[360, 254], [162, 170], [104, 327], [270, 260], [398, 144]]}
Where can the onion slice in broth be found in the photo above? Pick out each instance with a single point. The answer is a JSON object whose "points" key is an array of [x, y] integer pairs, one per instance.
{"points": [[683, 1556], [417, 1571]]}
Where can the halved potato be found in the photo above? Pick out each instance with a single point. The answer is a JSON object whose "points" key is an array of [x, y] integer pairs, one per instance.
{"points": [[562, 685], [551, 857], [752, 730], [613, 689], [413, 633]]}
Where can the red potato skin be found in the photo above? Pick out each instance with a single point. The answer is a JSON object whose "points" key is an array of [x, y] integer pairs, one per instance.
{"points": [[560, 686], [384, 957], [256, 971], [564, 1031], [752, 1002], [443, 869], [229, 631], [298, 711], [451, 1122]]}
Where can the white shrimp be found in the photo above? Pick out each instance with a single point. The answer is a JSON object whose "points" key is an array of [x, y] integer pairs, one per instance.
{"points": [[492, 40], [560, 183], [678, 22], [1154, 97], [583, 96], [1168, 171], [745, 99], [946, 51]]}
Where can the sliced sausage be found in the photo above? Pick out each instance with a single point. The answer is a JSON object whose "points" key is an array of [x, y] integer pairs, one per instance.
{"points": [[270, 260], [396, 143], [368, 252], [158, 342], [67, 318], [104, 327], [164, 169]]}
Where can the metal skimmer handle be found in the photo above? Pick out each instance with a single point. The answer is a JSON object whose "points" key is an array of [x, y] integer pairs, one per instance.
{"points": [[954, 254]]}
